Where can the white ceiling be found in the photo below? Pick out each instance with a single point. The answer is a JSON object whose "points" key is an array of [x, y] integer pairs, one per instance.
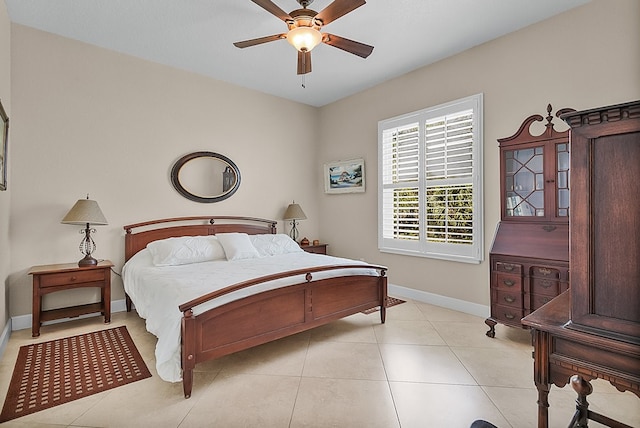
{"points": [[197, 35]]}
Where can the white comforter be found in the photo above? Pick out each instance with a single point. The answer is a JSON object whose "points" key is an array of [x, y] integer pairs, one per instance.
{"points": [[158, 291]]}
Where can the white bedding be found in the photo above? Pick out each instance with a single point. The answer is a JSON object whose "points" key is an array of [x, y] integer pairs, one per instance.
{"points": [[158, 291]]}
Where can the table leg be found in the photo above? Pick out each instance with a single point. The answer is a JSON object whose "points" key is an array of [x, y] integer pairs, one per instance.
{"points": [[543, 405], [36, 307], [106, 297]]}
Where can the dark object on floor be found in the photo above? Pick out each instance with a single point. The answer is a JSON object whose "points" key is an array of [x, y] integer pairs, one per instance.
{"points": [[482, 424], [391, 301], [59, 371]]}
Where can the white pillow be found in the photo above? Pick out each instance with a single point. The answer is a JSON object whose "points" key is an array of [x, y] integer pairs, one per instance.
{"points": [[237, 246], [274, 244], [185, 250]]}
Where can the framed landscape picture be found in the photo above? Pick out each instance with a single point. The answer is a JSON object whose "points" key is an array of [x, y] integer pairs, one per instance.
{"points": [[4, 136], [344, 176]]}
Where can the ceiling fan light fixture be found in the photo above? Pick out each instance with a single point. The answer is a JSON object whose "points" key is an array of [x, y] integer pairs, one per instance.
{"points": [[304, 38]]}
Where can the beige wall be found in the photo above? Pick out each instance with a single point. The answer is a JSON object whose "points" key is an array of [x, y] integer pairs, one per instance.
{"points": [[88, 120], [584, 58], [5, 197]]}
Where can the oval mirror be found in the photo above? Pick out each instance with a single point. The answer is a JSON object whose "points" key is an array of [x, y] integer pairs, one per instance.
{"points": [[205, 177]]}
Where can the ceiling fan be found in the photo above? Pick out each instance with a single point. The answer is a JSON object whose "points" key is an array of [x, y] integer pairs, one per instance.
{"points": [[304, 30]]}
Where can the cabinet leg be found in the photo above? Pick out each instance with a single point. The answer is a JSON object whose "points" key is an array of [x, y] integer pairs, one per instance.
{"points": [[492, 327]]}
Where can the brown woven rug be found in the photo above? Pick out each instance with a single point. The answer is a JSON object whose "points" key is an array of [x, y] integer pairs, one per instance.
{"points": [[51, 373], [391, 301]]}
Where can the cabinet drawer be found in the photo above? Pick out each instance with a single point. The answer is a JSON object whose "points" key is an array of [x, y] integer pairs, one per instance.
{"points": [[508, 267], [545, 272], [66, 278], [507, 314], [537, 301], [508, 282], [550, 287], [509, 298]]}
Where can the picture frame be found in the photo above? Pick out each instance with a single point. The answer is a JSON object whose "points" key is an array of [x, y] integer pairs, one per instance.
{"points": [[4, 139], [344, 176]]}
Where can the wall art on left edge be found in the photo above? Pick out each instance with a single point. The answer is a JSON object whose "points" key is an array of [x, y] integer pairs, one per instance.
{"points": [[344, 176], [4, 135]]}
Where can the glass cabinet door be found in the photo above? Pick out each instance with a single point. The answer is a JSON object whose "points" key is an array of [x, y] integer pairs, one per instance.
{"points": [[524, 182], [562, 181], [535, 186]]}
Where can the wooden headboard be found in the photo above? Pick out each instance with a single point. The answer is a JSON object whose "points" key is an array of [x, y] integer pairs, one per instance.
{"points": [[154, 230]]}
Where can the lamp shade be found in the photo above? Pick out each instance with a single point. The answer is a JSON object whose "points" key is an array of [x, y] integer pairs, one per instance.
{"points": [[294, 212], [304, 38], [85, 211]]}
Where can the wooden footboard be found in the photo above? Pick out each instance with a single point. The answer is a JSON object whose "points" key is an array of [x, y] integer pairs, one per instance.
{"points": [[275, 314]]}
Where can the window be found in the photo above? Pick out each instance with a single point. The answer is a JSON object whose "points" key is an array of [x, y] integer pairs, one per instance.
{"points": [[430, 182]]}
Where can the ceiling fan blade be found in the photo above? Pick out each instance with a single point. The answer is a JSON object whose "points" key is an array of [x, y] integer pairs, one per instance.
{"points": [[337, 9], [347, 45], [259, 41], [304, 62], [270, 7]]}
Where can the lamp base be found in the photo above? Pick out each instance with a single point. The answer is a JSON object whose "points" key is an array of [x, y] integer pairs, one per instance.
{"points": [[294, 231], [87, 261]]}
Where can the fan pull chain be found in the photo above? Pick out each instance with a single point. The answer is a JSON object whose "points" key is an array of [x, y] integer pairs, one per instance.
{"points": [[304, 69]]}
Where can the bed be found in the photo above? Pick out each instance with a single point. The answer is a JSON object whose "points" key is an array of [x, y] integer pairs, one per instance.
{"points": [[205, 309]]}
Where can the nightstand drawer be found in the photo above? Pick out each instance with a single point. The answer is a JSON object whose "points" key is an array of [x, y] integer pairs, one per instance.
{"points": [[317, 249], [68, 278]]}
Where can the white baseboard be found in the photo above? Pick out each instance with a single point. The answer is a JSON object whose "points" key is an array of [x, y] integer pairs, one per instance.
{"points": [[22, 322], [4, 338], [438, 300]]}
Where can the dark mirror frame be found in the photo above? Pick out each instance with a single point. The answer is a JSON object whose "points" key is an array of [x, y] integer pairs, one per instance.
{"points": [[175, 172]]}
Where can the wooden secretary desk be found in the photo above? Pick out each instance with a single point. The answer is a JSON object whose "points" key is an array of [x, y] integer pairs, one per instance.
{"points": [[593, 329], [529, 258]]}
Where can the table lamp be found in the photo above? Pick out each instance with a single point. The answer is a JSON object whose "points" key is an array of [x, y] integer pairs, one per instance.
{"points": [[86, 212], [293, 213]]}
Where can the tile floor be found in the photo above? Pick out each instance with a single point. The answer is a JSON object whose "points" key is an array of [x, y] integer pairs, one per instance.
{"points": [[426, 367]]}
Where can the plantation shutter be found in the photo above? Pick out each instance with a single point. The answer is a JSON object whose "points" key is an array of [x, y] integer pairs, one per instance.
{"points": [[449, 178], [401, 175]]}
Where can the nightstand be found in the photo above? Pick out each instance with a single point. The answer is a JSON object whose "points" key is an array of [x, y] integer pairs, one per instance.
{"points": [[51, 278], [317, 249]]}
